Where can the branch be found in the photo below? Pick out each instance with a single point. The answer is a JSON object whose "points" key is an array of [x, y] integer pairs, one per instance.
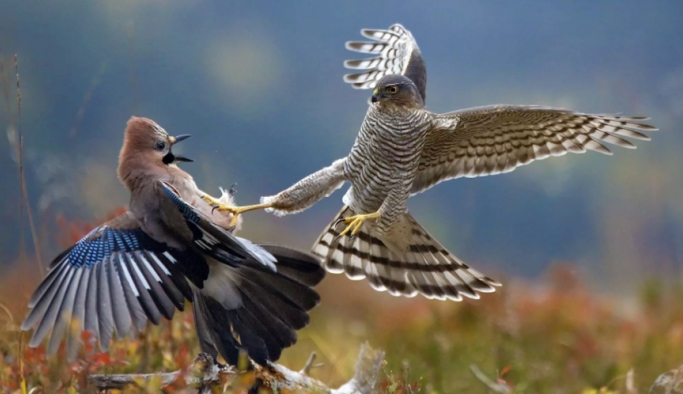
{"points": [[204, 375], [493, 386]]}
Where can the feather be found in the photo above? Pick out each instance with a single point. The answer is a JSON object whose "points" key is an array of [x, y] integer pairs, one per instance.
{"points": [[104, 306], [64, 314], [77, 320], [467, 142], [424, 267], [120, 313], [398, 55]]}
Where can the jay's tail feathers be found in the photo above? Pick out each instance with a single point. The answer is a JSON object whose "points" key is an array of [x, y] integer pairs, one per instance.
{"points": [[271, 307]]}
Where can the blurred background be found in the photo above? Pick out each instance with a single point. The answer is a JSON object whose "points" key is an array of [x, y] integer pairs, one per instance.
{"points": [[259, 86]]}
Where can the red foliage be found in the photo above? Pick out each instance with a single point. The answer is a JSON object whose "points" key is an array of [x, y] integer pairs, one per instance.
{"points": [[71, 231]]}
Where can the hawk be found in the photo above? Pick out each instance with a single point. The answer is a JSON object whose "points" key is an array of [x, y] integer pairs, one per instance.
{"points": [[403, 149]]}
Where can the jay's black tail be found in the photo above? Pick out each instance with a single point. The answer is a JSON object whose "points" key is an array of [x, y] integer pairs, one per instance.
{"points": [[273, 306]]}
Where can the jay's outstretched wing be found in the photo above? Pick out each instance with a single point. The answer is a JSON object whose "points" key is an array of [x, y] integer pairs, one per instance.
{"points": [[115, 278]]}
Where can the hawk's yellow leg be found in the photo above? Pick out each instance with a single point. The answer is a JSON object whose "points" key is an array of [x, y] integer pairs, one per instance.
{"points": [[354, 222], [236, 211]]}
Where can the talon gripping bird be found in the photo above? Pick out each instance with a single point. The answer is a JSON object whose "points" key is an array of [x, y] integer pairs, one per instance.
{"points": [[143, 264], [403, 149]]}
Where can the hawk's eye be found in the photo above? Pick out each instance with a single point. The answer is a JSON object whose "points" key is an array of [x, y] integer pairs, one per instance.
{"points": [[392, 89], [160, 146]]}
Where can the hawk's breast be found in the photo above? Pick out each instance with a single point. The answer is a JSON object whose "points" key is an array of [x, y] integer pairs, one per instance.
{"points": [[385, 155]]}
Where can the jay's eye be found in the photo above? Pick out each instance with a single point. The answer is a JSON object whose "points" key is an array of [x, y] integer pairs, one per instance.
{"points": [[160, 146], [392, 89]]}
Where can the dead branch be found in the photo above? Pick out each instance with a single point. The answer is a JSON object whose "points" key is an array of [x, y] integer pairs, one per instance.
{"points": [[204, 375], [493, 386], [669, 382]]}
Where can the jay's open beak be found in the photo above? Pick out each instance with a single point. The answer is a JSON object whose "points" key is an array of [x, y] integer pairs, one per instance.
{"points": [[170, 157]]}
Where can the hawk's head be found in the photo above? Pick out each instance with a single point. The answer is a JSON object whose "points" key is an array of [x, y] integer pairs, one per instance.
{"points": [[397, 89]]}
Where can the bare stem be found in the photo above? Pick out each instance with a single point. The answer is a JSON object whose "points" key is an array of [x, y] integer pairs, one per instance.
{"points": [[309, 364], [24, 200]]}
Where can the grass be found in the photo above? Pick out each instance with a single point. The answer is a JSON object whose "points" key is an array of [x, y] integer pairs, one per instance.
{"points": [[553, 337], [552, 334]]}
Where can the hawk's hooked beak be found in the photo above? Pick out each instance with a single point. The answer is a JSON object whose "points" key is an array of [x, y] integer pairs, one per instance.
{"points": [[170, 157], [375, 95]]}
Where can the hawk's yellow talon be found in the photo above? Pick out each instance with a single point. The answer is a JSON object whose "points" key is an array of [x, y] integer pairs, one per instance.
{"points": [[212, 201], [235, 211], [353, 223]]}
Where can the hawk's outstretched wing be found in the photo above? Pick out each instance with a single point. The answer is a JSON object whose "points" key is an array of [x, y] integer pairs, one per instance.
{"points": [[499, 138], [398, 54]]}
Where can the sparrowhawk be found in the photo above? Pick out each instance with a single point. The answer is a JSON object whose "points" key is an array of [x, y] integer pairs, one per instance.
{"points": [[403, 149]]}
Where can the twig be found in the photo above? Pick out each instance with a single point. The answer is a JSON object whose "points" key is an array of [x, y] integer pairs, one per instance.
{"points": [[367, 370], [19, 148], [309, 364], [495, 387], [630, 382], [204, 375], [119, 382], [668, 382], [17, 138], [24, 191]]}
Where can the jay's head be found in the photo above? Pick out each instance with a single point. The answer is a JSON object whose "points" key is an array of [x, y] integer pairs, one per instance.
{"points": [[147, 149], [146, 140]]}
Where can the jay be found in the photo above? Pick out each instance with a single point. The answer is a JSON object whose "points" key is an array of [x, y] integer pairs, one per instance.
{"points": [[168, 248]]}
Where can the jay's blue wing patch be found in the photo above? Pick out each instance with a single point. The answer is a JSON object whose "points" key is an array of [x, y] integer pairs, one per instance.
{"points": [[101, 243], [114, 279]]}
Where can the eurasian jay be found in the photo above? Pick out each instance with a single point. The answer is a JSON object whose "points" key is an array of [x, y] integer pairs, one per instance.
{"points": [[170, 246]]}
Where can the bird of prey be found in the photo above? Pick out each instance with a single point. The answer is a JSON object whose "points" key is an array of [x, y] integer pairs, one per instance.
{"points": [[403, 149], [168, 248]]}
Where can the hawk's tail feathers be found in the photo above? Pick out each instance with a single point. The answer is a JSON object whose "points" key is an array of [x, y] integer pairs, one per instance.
{"points": [[425, 267]]}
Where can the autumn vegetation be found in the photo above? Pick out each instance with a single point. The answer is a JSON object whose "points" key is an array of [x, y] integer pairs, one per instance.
{"points": [[552, 334]]}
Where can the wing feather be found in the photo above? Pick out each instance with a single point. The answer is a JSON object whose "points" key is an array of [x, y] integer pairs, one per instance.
{"points": [[77, 320], [107, 282], [104, 305], [64, 313], [397, 52], [497, 139], [120, 312]]}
